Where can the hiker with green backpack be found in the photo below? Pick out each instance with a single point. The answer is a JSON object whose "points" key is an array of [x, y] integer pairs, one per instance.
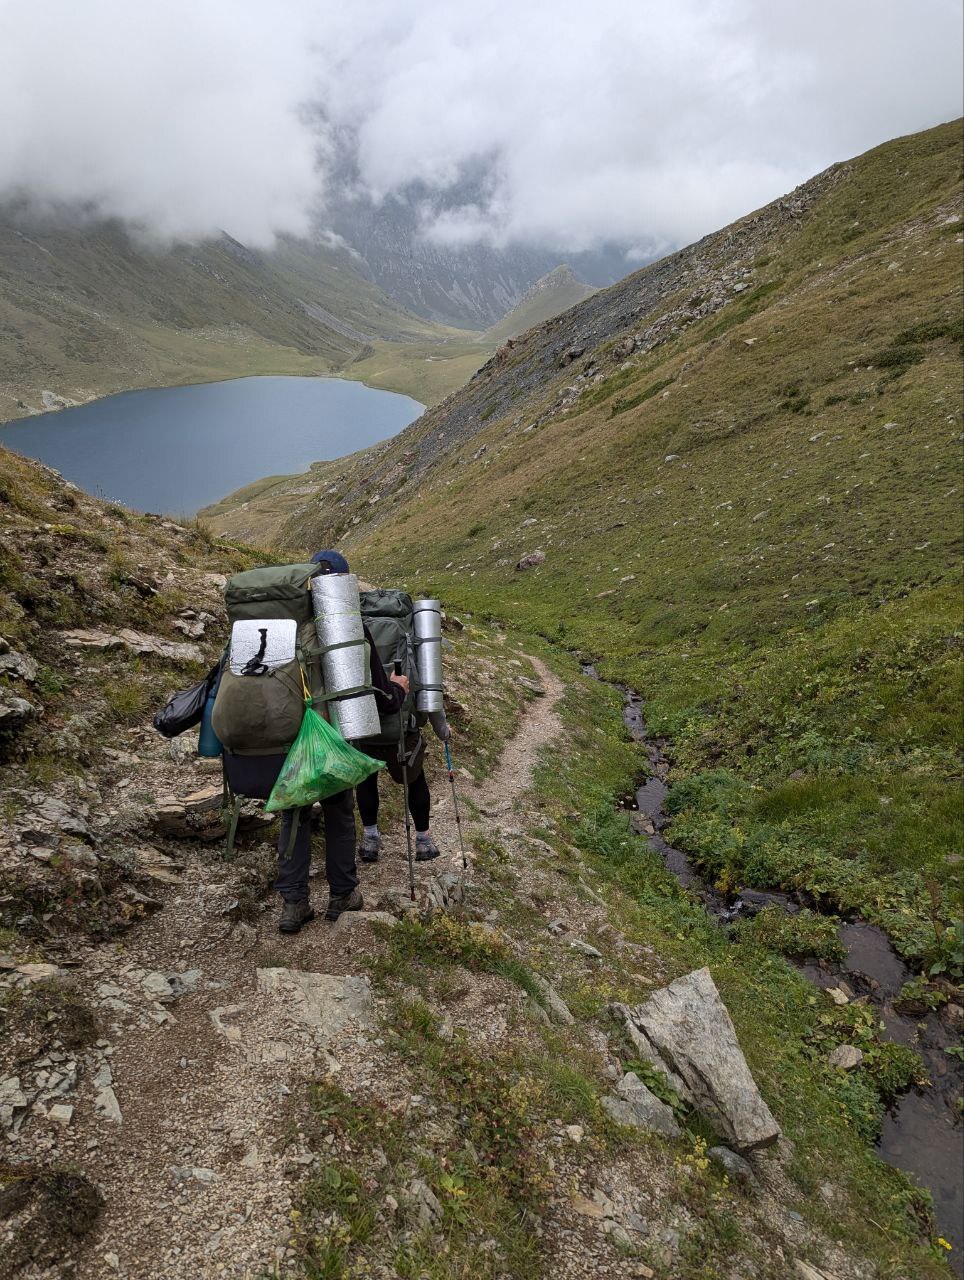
{"points": [[265, 709], [389, 621]]}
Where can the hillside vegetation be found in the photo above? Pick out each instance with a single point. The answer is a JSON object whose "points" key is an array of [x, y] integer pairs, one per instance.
{"points": [[741, 466], [87, 309], [160, 1077], [547, 298]]}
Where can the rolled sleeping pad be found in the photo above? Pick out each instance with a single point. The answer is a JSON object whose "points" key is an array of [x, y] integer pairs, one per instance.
{"points": [[428, 635], [338, 621]]}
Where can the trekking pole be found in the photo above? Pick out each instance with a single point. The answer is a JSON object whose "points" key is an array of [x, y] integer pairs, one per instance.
{"points": [[455, 802], [403, 760]]}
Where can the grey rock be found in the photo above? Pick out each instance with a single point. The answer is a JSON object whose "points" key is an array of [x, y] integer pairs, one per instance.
{"points": [[46, 815], [537, 1011], [228, 1030], [396, 902], [67, 1078], [107, 1106], [555, 1007], [322, 1001], [585, 949], [155, 865], [193, 628], [738, 1168], [444, 891], [38, 971], [136, 641], [184, 984], [804, 1271], [158, 986], [14, 711], [62, 1113], [533, 686], [191, 1173], [846, 1057], [13, 1103], [531, 560], [20, 666], [637, 1106], [352, 921], [103, 1076], [618, 1234], [423, 1204], [687, 1033]]}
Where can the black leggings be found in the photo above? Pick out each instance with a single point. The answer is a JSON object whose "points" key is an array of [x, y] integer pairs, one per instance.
{"points": [[419, 800]]}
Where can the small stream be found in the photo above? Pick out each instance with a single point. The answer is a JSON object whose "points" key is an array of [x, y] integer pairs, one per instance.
{"points": [[922, 1133]]}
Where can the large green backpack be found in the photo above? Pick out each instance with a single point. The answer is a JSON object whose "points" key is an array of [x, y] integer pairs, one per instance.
{"points": [[390, 619], [261, 716]]}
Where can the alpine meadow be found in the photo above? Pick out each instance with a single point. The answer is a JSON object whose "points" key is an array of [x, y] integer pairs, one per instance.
{"points": [[532, 845], [735, 478]]}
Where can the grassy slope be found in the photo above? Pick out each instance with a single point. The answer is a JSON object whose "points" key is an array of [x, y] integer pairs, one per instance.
{"points": [[829, 1180], [828, 1116], [427, 371], [548, 297], [756, 524], [86, 312]]}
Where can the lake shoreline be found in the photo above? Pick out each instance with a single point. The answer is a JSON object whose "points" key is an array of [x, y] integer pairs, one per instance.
{"points": [[181, 448]]}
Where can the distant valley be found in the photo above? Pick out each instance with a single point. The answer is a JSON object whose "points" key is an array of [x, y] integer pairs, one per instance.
{"points": [[87, 308]]}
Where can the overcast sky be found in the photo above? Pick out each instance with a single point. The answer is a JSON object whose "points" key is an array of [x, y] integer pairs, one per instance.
{"points": [[636, 121]]}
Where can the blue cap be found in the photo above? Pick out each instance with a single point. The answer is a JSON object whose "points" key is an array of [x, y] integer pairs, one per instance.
{"points": [[331, 562]]}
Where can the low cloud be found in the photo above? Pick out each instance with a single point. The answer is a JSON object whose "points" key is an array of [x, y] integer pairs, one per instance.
{"points": [[627, 121]]}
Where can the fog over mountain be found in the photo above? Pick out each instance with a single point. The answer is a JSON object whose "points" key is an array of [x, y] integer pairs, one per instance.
{"points": [[556, 126]]}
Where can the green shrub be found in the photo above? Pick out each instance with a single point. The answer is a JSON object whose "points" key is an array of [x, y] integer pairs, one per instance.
{"points": [[803, 935]]}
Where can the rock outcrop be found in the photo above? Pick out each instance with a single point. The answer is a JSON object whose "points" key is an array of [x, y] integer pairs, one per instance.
{"points": [[685, 1031]]}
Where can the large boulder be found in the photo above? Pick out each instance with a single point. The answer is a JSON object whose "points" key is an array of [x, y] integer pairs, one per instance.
{"points": [[685, 1031]]}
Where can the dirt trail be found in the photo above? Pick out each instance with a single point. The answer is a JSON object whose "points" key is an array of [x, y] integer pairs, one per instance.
{"points": [[200, 1174]]}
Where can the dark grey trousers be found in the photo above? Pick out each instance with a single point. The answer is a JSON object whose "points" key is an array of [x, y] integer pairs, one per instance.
{"points": [[255, 776], [340, 869]]}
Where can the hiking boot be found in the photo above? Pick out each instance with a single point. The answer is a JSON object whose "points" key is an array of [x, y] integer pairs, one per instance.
{"points": [[426, 849], [346, 902], [370, 848], [294, 915]]}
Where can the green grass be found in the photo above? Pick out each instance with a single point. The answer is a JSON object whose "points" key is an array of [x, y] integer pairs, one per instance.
{"points": [[756, 525], [549, 297], [769, 553], [831, 1116], [426, 371]]}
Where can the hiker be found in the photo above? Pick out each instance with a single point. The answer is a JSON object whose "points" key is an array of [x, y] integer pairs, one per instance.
{"points": [[252, 765], [389, 618], [338, 814]]}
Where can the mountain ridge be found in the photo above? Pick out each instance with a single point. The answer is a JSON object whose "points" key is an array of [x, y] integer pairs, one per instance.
{"points": [[554, 293], [88, 309]]}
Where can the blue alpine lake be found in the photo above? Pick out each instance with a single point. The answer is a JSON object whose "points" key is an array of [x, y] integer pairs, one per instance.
{"points": [[177, 449]]}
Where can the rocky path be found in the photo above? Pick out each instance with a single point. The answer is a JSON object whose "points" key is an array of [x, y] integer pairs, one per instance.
{"points": [[188, 1122]]}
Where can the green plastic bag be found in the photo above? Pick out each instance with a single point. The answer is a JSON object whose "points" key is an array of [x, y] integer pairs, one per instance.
{"points": [[320, 764]]}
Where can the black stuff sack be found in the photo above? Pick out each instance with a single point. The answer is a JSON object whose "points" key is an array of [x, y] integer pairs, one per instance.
{"points": [[185, 709]]}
